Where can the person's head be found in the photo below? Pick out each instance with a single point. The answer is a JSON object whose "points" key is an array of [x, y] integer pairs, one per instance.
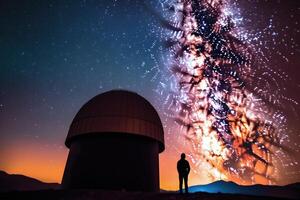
{"points": [[183, 156]]}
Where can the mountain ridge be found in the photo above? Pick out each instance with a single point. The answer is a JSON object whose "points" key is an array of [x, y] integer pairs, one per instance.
{"points": [[287, 191], [18, 182]]}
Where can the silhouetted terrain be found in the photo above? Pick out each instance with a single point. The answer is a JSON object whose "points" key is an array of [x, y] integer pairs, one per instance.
{"points": [[13, 182], [22, 187], [288, 191], [119, 195]]}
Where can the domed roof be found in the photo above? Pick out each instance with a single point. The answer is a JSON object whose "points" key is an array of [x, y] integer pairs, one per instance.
{"points": [[118, 111]]}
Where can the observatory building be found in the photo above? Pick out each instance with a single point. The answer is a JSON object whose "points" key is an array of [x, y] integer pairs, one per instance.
{"points": [[114, 142]]}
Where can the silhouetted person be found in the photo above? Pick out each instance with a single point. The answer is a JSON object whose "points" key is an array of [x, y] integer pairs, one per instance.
{"points": [[183, 168]]}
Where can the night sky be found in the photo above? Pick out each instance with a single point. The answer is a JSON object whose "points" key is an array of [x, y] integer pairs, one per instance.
{"points": [[56, 55]]}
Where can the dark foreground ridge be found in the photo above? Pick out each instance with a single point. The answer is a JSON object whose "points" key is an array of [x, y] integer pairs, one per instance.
{"points": [[118, 195], [22, 187]]}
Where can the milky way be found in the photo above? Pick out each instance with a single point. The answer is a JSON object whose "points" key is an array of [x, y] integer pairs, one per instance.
{"points": [[226, 97]]}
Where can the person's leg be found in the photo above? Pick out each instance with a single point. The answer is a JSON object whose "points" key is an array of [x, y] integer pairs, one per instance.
{"points": [[186, 184], [180, 183]]}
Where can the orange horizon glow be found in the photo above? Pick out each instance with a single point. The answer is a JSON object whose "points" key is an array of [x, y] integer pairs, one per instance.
{"points": [[30, 159], [48, 164]]}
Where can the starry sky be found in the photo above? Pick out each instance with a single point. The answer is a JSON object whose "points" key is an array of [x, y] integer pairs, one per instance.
{"points": [[56, 55]]}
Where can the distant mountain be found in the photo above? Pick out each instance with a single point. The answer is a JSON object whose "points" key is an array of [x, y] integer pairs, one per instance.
{"points": [[13, 182], [289, 191]]}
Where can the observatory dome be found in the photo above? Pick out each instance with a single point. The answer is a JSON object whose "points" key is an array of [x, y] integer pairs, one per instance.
{"points": [[117, 111]]}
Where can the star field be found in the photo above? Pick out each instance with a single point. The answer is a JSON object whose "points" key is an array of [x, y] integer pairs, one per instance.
{"points": [[56, 55]]}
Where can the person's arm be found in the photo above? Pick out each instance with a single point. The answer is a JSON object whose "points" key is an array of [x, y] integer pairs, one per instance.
{"points": [[188, 167], [178, 167]]}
